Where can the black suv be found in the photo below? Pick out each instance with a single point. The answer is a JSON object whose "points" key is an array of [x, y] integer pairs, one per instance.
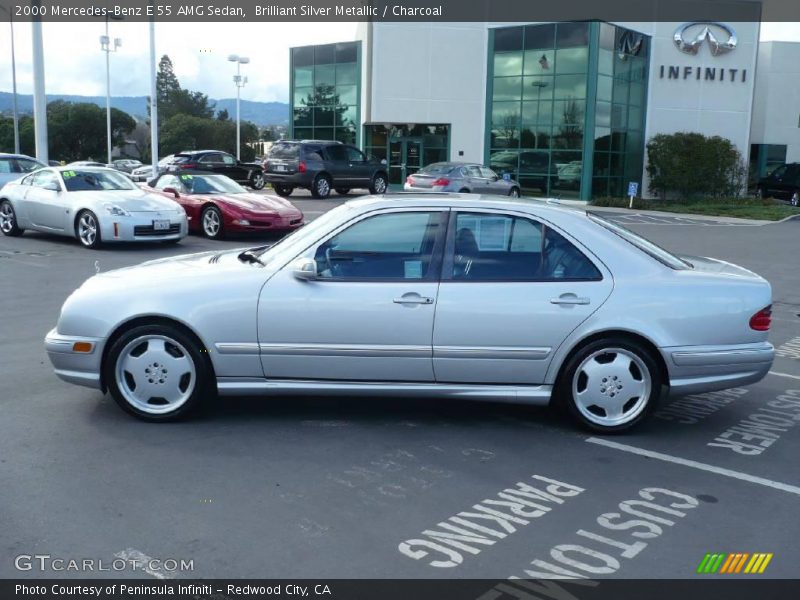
{"points": [[215, 161], [783, 183], [320, 166]]}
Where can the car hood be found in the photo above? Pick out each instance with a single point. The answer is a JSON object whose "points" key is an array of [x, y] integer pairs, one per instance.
{"points": [[132, 200], [254, 203]]}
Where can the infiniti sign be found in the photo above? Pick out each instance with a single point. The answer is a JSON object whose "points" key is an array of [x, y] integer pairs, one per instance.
{"points": [[691, 36]]}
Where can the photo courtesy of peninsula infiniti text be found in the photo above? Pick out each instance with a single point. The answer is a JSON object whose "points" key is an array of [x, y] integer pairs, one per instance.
{"points": [[455, 296]]}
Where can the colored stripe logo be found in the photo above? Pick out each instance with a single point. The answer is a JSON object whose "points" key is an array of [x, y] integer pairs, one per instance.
{"points": [[734, 562]]}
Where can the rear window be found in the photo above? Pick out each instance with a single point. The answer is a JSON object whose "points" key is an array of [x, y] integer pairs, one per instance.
{"points": [[643, 244], [437, 169], [284, 151]]}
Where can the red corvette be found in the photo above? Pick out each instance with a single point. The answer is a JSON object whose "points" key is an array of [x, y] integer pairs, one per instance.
{"points": [[216, 205]]}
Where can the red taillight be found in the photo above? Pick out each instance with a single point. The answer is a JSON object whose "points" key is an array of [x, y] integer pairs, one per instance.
{"points": [[410, 180], [762, 319], [187, 165], [301, 168], [441, 182]]}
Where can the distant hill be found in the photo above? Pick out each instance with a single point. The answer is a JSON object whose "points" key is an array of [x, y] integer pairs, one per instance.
{"points": [[260, 113]]}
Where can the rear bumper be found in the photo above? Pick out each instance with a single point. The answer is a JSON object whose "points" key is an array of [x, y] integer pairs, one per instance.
{"points": [[290, 179], [699, 369], [80, 368]]}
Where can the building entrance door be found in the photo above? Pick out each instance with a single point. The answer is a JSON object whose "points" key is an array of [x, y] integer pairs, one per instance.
{"points": [[405, 158]]}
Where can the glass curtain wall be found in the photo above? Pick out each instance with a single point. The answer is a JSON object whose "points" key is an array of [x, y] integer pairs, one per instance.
{"points": [[545, 91], [325, 98]]}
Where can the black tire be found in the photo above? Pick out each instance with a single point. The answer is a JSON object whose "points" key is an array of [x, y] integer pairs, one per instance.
{"points": [[8, 220], [321, 188], [342, 191], [760, 193], [513, 192], [379, 184], [257, 181], [638, 408], [85, 223], [795, 199], [283, 190], [464, 191], [200, 386], [211, 223]]}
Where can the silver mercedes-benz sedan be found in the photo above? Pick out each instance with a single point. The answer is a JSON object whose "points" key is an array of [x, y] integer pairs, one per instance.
{"points": [[423, 295], [95, 205]]}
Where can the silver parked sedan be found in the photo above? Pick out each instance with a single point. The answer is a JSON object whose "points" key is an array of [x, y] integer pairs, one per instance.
{"points": [[95, 205], [465, 178], [455, 295]]}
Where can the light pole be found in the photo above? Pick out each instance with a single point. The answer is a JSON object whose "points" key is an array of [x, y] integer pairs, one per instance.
{"points": [[538, 84], [39, 97], [105, 46], [240, 82], [13, 79], [153, 96]]}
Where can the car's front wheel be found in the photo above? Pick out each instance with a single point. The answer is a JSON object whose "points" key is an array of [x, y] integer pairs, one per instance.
{"points": [[87, 229], [211, 221], [283, 191], [379, 184], [157, 373], [257, 181], [795, 199], [611, 385], [321, 188], [760, 193], [514, 192], [8, 220]]}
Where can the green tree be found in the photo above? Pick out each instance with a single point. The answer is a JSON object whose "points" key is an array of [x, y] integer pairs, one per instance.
{"points": [[173, 99], [77, 131], [691, 165], [26, 138], [222, 115]]}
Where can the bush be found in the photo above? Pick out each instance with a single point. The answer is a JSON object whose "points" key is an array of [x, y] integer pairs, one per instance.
{"points": [[691, 166]]}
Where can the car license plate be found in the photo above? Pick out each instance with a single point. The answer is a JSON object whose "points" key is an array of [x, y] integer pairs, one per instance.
{"points": [[280, 167], [160, 225]]}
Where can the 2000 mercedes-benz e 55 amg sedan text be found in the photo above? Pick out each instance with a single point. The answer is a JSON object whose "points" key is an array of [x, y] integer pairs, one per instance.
{"points": [[448, 295]]}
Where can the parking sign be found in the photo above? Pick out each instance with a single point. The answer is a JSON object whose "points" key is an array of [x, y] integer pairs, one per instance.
{"points": [[633, 188]]}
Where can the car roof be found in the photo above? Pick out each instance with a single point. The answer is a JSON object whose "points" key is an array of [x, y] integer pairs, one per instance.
{"points": [[12, 155]]}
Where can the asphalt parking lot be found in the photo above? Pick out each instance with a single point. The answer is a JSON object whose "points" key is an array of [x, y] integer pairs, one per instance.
{"points": [[339, 488]]}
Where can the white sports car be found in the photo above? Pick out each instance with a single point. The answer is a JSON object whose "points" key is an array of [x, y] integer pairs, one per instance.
{"points": [[95, 205]]}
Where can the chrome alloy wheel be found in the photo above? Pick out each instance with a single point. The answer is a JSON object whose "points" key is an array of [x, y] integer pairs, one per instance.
{"points": [[155, 374], [87, 229], [611, 387], [258, 181], [323, 187], [380, 185], [795, 200], [7, 218], [211, 223]]}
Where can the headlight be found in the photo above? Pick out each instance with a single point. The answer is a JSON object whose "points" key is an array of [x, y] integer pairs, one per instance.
{"points": [[116, 211]]}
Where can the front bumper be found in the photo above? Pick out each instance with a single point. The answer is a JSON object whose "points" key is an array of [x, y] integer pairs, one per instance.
{"points": [[138, 227], [699, 369], [262, 223], [80, 368]]}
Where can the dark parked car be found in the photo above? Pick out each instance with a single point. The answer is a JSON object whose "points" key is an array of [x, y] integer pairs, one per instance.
{"points": [[320, 166], [215, 161], [782, 183], [538, 171]]}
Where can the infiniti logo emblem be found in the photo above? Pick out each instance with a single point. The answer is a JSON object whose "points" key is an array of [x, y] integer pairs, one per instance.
{"points": [[689, 37]]}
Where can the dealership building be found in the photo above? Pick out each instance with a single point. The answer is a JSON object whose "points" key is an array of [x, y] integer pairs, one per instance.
{"points": [[565, 108]]}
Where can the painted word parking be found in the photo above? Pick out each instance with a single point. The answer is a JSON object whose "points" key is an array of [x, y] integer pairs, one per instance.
{"points": [[486, 522]]}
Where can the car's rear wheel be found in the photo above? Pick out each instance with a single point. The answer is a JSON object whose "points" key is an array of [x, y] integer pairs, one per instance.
{"points": [[8, 220], [211, 222], [611, 385], [795, 199], [283, 190], [514, 192], [379, 184], [257, 181], [760, 193], [321, 188], [342, 191], [87, 229], [157, 373]]}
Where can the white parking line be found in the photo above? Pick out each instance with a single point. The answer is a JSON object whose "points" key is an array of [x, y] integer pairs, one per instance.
{"points": [[785, 487], [784, 375]]}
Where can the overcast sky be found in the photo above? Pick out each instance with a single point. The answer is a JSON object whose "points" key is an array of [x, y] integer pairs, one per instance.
{"points": [[74, 63]]}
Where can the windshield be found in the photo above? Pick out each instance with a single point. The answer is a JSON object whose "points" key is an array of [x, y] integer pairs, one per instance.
{"points": [[211, 184], [80, 180], [642, 244], [437, 169], [318, 224]]}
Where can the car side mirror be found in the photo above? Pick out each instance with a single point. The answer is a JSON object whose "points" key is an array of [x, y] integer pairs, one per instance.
{"points": [[304, 269], [52, 186], [171, 190]]}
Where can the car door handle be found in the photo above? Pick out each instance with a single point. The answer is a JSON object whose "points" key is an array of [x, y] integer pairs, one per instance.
{"points": [[569, 299], [413, 299]]}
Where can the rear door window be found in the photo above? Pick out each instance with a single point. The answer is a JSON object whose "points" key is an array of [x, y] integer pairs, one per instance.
{"points": [[336, 153]]}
